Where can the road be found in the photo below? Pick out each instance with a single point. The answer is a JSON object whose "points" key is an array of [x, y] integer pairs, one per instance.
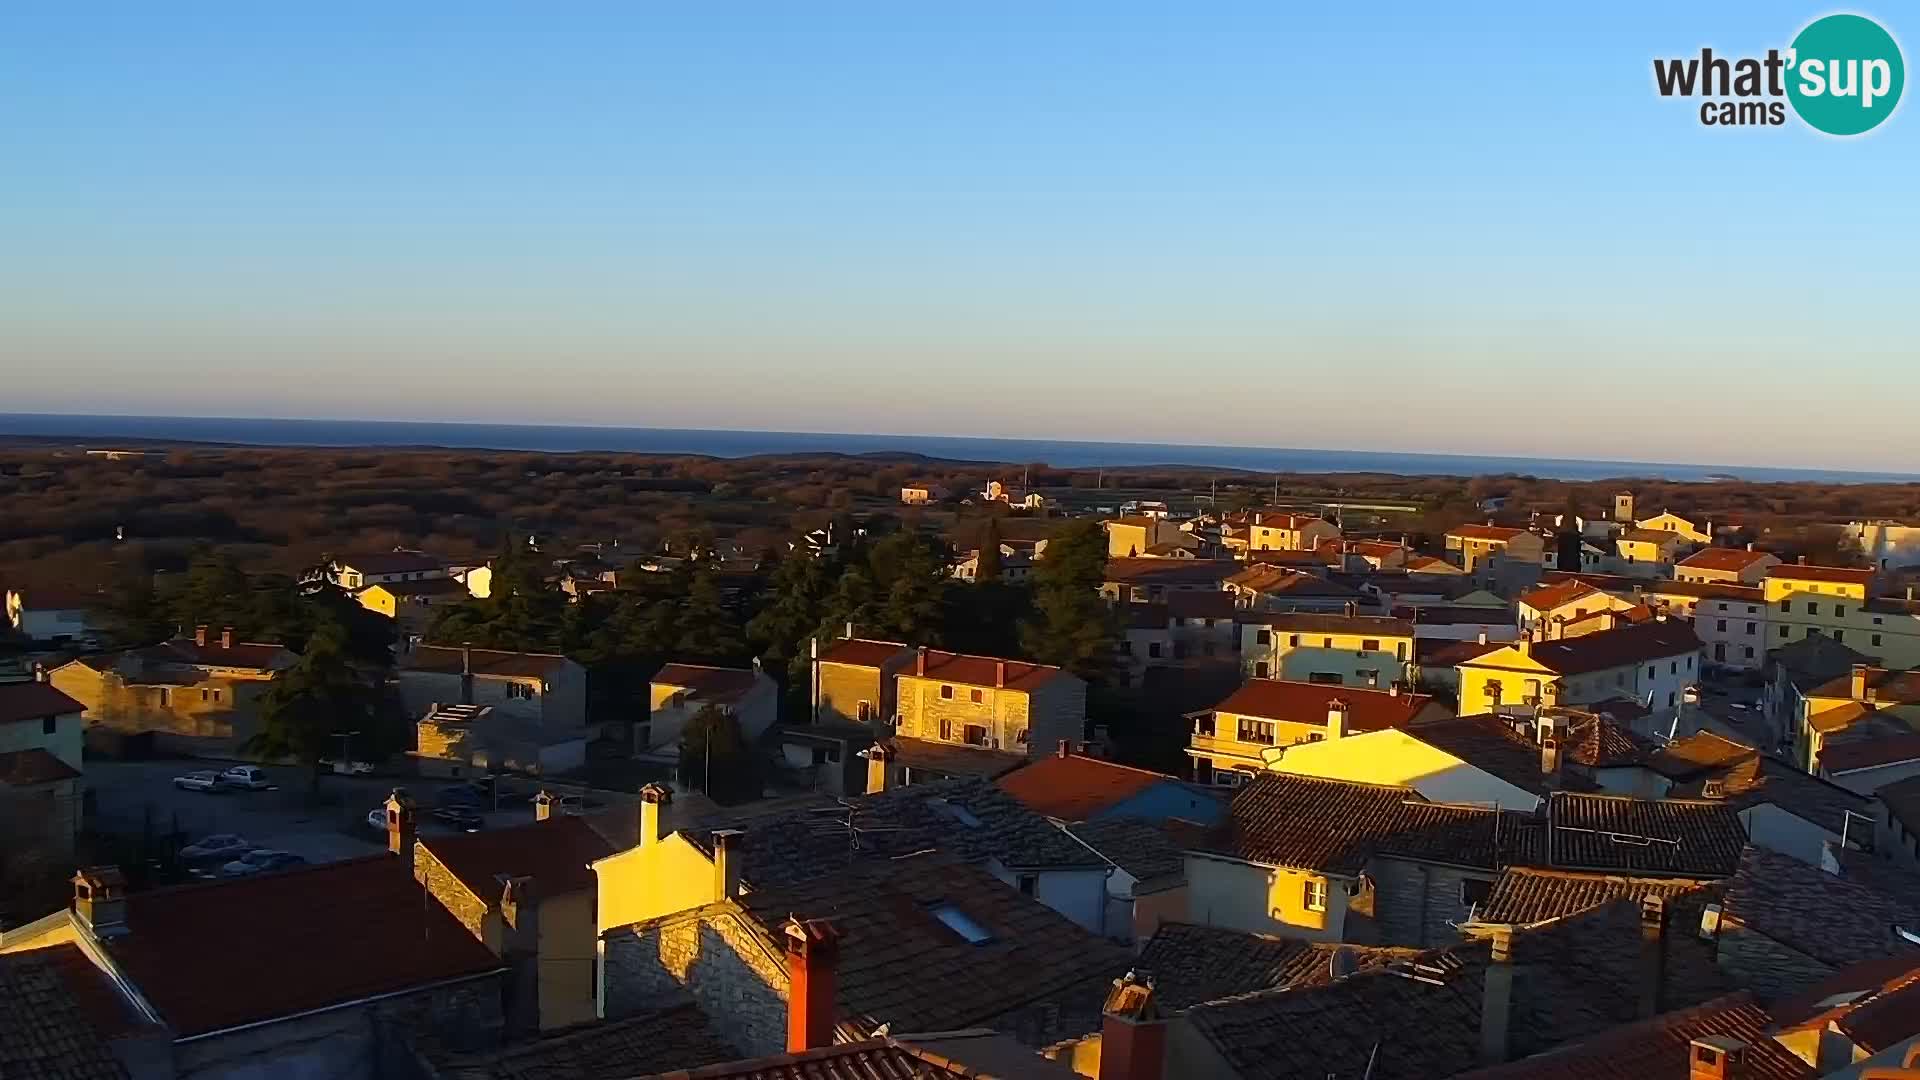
{"points": [[130, 795]]}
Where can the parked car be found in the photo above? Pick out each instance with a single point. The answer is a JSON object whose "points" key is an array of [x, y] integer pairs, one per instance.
{"points": [[202, 780], [377, 819], [576, 805], [346, 768], [459, 817], [246, 778], [216, 848], [465, 795], [261, 861]]}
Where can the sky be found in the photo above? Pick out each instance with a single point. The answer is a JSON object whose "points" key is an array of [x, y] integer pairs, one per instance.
{"points": [[1416, 228]]}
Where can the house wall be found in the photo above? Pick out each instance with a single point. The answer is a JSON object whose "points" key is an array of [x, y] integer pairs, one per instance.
{"points": [[755, 711], [1346, 654], [1800, 608], [204, 709], [569, 954], [653, 880], [1016, 721], [1664, 678], [844, 686], [1276, 538], [1168, 799], [1080, 895], [1418, 904], [1395, 757], [1893, 841], [1262, 899], [1887, 545], [64, 742], [1577, 608], [1152, 909], [1734, 632], [712, 959], [1770, 827]]}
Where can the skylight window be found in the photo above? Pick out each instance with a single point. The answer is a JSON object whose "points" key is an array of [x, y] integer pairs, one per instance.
{"points": [[958, 813], [957, 921]]}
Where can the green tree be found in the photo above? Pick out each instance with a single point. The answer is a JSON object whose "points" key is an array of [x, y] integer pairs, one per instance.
{"points": [[707, 630], [135, 614], [988, 568], [911, 583], [215, 593], [1072, 626], [307, 707], [796, 602], [714, 758]]}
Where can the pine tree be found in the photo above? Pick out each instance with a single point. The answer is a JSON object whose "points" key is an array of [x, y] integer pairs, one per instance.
{"points": [[307, 707], [1072, 626], [707, 629], [987, 569], [714, 758]]}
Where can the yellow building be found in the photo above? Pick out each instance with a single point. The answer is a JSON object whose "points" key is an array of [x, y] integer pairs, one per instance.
{"points": [[198, 693], [1288, 532], [663, 873], [855, 681], [1239, 736], [1838, 602], [1478, 543], [990, 703], [1669, 522], [1354, 650], [922, 494], [1871, 698], [679, 692], [1648, 547], [1651, 663], [1136, 536], [1735, 566], [412, 603], [1564, 602]]}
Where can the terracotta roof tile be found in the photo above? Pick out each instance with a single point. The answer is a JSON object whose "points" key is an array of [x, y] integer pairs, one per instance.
{"points": [[872, 1059], [1748, 778], [1490, 743], [1660, 639], [1698, 839], [1529, 895], [1144, 571], [446, 660], [860, 652], [349, 929], [1278, 819], [1076, 787], [953, 760], [48, 1025], [1497, 533], [25, 768], [555, 853], [1306, 703], [674, 1038], [1846, 754], [1439, 652], [1196, 604], [1889, 687], [1552, 596], [1191, 964], [1153, 853], [34, 701], [967, 669], [252, 655], [1835, 919], [706, 684], [1658, 1049], [1731, 560]]}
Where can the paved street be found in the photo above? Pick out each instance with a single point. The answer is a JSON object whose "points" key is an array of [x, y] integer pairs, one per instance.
{"points": [[130, 793]]}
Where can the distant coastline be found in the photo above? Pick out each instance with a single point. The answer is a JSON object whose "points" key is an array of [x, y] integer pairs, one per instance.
{"points": [[236, 431]]}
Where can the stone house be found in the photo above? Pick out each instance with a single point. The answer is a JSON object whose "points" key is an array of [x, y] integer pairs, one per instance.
{"points": [[355, 572], [545, 688], [1244, 731], [854, 680], [198, 694], [989, 702], [680, 691]]}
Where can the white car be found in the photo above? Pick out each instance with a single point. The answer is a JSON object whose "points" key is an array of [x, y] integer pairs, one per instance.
{"points": [[203, 780], [219, 847], [246, 778]]}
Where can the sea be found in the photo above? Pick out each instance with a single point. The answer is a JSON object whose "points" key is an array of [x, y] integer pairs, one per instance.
{"points": [[237, 431]]}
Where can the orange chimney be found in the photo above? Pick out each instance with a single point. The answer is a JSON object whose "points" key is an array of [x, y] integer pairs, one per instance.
{"points": [[1133, 1034], [879, 778], [920, 661], [200, 636], [999, 673], [813, 954], [1857, 686], [226, 638], [400, 823]]}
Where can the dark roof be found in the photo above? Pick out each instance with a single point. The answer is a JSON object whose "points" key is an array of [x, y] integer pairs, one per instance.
{"points": [[1262, 578], [713, 685], [1659, 1048], [1750, 778], [1837, 919], [947, 1055], [25, 768], [900, 964], [446, 660], [1153, 852], [1699, 754], [861, 652], [1149, 571], [673, 1038], [1815, 659], [392, 562], [1310, 623], [1842, 574], [953, 760], [1489, 743], [1902, 800], [555, 853], [253, 655], [1486, 532], [1890, 687], [1076, 787], [970, 670], [1441, 653], [1657, 639], [436, 586], [1684, 838], [1602, 743], [34, 701], [1552, 596], [1199, 604], [1728, 559], [51, 1016], [1278, 819], [1191, 964], [349, 929], [970, 819], [1847, 752], [1306, 703], [1528, 895]]}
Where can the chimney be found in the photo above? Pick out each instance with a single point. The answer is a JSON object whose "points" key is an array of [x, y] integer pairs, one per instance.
{"points": [[1653, 956], [999, 674], [1858, 684], [1352, 609], [543, 804], [1483, 637], [466, 673], [1550, 757], [100, 900], [520, 949], [1716, 1057], [849, 633], [1393, 688], [1066, 748], [200, 636], [920, 660], [727, 860], [39, 672], [1133, 1034], [1497, 1003], [1802, 560], [653, 798], [813, 953], [226, 637], [1524, 644], [879, 768], [1749, 545], [1336, 719], [401, 825]]}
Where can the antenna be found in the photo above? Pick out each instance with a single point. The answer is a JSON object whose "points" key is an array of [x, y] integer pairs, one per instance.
{"points": [[848, 824]]}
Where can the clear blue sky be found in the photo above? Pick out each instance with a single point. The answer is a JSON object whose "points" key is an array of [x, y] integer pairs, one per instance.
{"points": [[1420, 228]]}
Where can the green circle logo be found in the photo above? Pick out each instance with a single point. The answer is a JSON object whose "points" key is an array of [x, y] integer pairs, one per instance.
{"points": [[1845, 74]]}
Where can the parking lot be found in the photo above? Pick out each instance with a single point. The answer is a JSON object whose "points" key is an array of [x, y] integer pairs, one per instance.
{"points": [[133, 796]]}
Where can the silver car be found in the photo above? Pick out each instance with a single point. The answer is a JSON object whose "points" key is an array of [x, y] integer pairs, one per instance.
{"points": [[203, 780]]}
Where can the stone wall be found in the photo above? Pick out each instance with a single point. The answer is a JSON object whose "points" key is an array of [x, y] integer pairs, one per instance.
{"points": [[453, 895], [1419, 904], [709, 957]]}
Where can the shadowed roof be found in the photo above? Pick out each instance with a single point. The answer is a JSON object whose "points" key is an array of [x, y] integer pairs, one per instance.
{"points": [[555, 853]]}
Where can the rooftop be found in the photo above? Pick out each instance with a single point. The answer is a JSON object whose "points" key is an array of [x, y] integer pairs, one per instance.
{"points": [[57, 1012], [1902, 800], [1332, 826], [433, 586], [1888, 687], [1208, 573], [971, 1054], [34, 701], [26, 768], [1530, 895], [1837, 919], [1306, 703], [952, 760], [1842, 575], [861, 652], [1497, 533], [1749, 778], [711, 685], [1192, 964], [967, 669], [1846, 753], [1153, 853], [1659, 1048], [1075, 787], [498, 663], [1682, 838], [1548, 597], [1659, 639], [1491, 744], [555, 853], [1730, 560], [399, 561], [678, 1037], [1309, 623]]}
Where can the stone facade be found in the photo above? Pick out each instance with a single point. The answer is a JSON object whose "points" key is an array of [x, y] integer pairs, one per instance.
{"points": [[455, 897], [191, 709], [1418, 904], [1012, 720], [711, 956]]}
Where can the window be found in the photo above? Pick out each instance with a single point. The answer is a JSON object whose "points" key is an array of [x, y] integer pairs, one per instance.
{"points": [[1264, 637], [1751, 627], [1029, 884], [1400, 652], [1474, 892], [1786, 606], [164, 697], [1153, 651], [946, 693], [1260, 670], [1669, 699], [1673, 667], [1326, 643], [1651, 673], [1749, 652], [1876, 640], [50, 725], [1369, 644], [946, 731], [1813, 608], [1839, 636], [1203, 725], [1839, 612], [957, 921], [976, 735], [203, 695], [1720, 625], [976, 695], [1752, 610], [1314, 896], [1020, 737], [1786, 631], [863, 712], [1256, 731], [1325, 678]]}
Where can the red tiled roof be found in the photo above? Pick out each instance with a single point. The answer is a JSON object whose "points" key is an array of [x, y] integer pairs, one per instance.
{"points": [[290, 942], [1439, 652], [967, 669], [1285, 521], [1728, 559], [256, 655], [872, 1059], [718, 685], [25, 768], [1552, 596], [1889, 687], [48, 1023], [555, 853], [861, 652], [446, 660], [1658, 1049], [1306, 703], [34, 701], [1149, 571], [1200, 605], [1658, 639], [1844, 575], [1849, 754], [1076, 787], [1486, 532]]}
